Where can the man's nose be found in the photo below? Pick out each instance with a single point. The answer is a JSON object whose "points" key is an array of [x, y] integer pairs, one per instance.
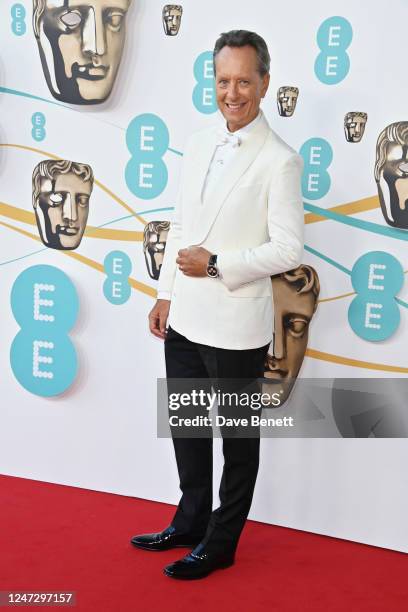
{"points": [[69, 209], [93, 35], [232, 91]]}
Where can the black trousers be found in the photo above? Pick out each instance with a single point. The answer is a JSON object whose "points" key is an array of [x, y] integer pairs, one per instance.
{"points": [[220, 529]]}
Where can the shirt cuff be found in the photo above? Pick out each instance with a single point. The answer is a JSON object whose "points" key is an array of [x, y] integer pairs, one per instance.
{"points": [[164, 295]]}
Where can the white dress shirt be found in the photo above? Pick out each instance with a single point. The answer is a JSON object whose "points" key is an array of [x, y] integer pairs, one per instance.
{"points": [[227, 146]]}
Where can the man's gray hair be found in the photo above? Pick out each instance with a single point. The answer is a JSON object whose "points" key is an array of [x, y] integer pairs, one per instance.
{"points": [[240, 38]]}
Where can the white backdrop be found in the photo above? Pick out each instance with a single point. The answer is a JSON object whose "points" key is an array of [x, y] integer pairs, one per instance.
{"points": [[101, 433]]}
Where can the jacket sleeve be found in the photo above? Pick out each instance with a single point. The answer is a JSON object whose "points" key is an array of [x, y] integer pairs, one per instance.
{"points": [[284, 249], [173, 245]]}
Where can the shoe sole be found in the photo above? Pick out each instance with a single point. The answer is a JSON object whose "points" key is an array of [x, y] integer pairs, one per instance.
{"points": [[223, 566], [193, 545]]}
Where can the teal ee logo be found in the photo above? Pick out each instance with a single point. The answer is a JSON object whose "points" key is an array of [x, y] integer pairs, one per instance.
{"points": [[374, 314], [333, 38], [38, 132], [18, 24], [45, 304], [147, 139], [317, 156], [116, 288], [204, 98]]}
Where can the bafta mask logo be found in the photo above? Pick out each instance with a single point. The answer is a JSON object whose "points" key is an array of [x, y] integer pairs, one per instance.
{"points": [[172, 18], [61, 193], [287, 98], [391, 173], [154, 244], [354, 126], [80, 44], [295, 295]]}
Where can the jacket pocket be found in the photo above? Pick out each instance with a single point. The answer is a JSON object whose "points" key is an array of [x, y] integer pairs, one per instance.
{"points": [[255, 289]]}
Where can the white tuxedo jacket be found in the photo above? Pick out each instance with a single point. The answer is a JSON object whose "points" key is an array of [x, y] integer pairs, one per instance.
{"points": [[253, 220]]}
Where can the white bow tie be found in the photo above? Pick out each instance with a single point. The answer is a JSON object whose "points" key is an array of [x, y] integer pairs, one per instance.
{"points": [[224, 137]]}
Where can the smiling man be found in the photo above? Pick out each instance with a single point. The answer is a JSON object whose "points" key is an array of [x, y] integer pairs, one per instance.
{"points": [[80, 44], [238, 221]]}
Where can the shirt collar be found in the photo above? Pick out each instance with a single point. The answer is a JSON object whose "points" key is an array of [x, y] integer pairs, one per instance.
{"points": [[244, 131]]}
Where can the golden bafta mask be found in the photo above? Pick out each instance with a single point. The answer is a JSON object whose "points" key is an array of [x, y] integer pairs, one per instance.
{"points": [[172, 18], [61, 193], [80, 44], [354, 126], [391, 173], [287, 98], [295, 295], [154, 244]]}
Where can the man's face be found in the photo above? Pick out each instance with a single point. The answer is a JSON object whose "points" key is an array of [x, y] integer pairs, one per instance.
{"points": [[287, 99], [62, 210], [81, 44], [293, 312], [354, 127], [154, 251], [239, 86], [172, 19], [393, 185]]}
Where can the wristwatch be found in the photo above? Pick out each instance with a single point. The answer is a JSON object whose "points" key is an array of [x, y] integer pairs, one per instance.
{"points": [[212, 269]]}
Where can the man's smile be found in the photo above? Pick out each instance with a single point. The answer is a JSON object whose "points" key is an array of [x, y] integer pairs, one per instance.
{"points": [[235, 107]]}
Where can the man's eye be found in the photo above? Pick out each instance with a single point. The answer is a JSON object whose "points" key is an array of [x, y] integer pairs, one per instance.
{"points": [[72, 19], [244, 82], [114, 20], [56, 198]]}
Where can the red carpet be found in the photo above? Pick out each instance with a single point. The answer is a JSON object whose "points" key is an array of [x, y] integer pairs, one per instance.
{"points": [[62, 538]]}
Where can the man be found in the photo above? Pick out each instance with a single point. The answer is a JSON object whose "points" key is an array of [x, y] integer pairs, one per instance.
{"points": [[80, 44], [238, 220], [61, 193]]}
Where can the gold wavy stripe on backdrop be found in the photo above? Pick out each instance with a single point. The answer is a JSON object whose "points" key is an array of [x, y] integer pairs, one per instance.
{"points": [[25, 216], [351, 208], [87, 261], [346, 209], [355, 363], [336, 297], [100, 185], [314, 354]]}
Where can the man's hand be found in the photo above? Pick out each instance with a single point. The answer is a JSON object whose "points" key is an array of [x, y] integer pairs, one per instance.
{"points": [[158, 318], [193, 261]]}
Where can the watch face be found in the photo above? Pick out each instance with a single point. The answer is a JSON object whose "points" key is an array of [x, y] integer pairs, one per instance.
{"points": [[212, 271]]}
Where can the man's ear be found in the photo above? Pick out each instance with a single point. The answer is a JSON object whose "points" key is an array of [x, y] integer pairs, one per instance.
{"points": [[265, 84]]}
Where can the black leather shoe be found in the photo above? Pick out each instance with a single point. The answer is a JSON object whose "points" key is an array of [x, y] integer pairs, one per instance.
{"points": [[198, 564], [164, 540]]}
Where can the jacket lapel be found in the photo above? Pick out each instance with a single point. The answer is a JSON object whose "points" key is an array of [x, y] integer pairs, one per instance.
{"points": [[208, 210]]}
